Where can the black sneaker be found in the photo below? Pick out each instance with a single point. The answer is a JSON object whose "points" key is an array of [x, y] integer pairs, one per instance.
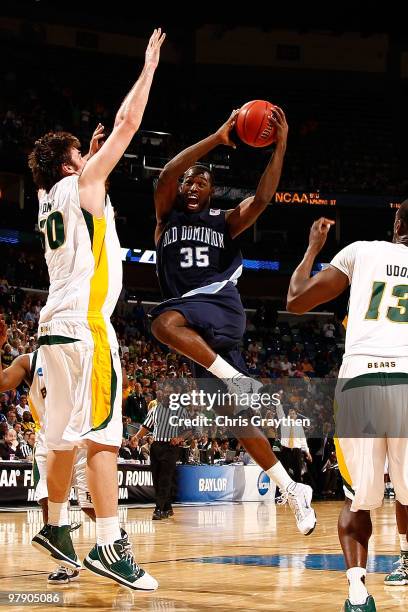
{"points": [[63, 575], [170, 511], [124, 535], [116, 561], [56, 543], [157, 515]]}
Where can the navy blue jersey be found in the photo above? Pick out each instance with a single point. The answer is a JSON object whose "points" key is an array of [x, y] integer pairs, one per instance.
{"points": [[196, 254]]}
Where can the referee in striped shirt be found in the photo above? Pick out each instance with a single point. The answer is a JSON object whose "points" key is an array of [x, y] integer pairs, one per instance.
{"points": [[164, 451]]}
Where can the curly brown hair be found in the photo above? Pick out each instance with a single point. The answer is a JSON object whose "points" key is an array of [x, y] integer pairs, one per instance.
{"points": [[402, 213], [49, 153]]}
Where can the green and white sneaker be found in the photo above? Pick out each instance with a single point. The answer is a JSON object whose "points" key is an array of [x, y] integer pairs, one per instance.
{"points": [[116, 561], [399, 576], [56, 543], [367, 606]]}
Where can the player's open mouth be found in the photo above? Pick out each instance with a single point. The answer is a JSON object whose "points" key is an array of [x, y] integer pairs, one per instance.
{"points": [[192, 202]]}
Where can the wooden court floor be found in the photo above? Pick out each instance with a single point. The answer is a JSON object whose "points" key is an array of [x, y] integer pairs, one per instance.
{"points": [[219, 557]]}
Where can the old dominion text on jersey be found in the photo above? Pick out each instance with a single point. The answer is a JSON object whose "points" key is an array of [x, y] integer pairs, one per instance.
{"points": [[195, 253], [197, 234]]}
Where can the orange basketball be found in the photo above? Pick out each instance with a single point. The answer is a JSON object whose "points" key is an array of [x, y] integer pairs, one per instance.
{"points": [[253, 125]]}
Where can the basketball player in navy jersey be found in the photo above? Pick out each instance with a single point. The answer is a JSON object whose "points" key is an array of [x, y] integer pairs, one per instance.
{"points": [[198, 263]]}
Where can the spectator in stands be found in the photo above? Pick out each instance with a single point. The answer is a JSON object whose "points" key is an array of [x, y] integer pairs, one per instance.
{"points": [[223, 448], [307, 367], [19, 432], [6, 356], [3, 403], [194, 451], [328, 330], [269, 430], [8, 447], [214, 452], [145, 448], [11, 417], [3, 429], [204, 443], [286, 367], [124, 451], [26, 434], [28, 421], [22, 406], [133, 446], [135, 406]]}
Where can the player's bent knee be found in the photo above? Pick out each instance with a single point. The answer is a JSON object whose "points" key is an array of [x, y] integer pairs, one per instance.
{"points": [[164, 326], [157, 328]]}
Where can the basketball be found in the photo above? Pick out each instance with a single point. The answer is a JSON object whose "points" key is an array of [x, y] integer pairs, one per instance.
{"points": [[253, 125]]}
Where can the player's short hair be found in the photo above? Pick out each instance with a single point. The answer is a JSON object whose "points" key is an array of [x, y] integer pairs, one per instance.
{"points": [[402, 213], [200, 169], [49, 154]]}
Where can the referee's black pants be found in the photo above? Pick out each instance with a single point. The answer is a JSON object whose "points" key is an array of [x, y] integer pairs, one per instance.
{"points": [[163, 459], [291, 458]]}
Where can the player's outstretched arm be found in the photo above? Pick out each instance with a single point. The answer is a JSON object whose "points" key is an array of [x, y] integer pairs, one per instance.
{"points": [[167, 185], [246, 213], [128, 120], [14, 375], [306, 292]]}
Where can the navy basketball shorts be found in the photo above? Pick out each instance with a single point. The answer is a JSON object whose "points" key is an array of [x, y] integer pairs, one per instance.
{"points": [[218, 317]]}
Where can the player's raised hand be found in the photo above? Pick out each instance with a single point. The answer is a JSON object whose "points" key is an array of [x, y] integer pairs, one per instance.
{"points": [[96, 140], [224, 132], [278, 119], [318, 233], [3, 332], [152, 54]]}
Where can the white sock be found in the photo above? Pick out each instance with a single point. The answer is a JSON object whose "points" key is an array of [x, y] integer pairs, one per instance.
{"points": [[280, 476], [222, 369], [357, 589], [107, 530], [58, 513], [403, 542]]}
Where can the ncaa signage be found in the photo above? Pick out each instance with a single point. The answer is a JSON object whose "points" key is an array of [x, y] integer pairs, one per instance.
{"points": [[264, 482]]}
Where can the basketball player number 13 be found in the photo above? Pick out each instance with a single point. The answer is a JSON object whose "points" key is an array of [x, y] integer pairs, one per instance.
{"points": [[197, 256], [396, 314]]}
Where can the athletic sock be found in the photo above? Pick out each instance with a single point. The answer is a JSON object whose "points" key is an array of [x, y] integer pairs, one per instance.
{"points": [[403, 543], [107, 530], [280, 476], [222, 369], [357, 589], [58, 513]]}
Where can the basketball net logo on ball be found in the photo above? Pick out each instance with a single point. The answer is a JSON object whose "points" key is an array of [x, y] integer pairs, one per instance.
{"points": [[253, 124]]}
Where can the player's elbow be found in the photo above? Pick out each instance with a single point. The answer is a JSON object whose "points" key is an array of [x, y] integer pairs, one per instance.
{"points": [[129, 122], [294, 305]]}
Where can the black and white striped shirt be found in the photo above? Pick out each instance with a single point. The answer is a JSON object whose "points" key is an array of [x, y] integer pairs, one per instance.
{"points": [[159, 421], [24, 450]]}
